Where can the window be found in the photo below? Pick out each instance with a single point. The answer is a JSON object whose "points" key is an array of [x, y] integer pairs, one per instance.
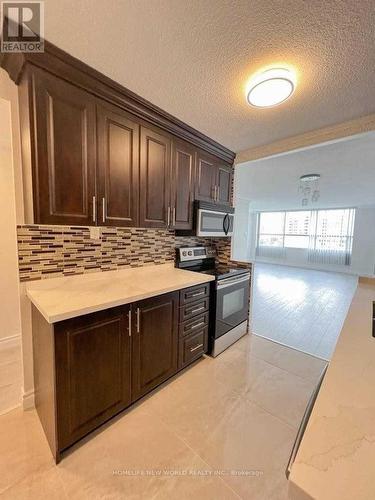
{"points": [[319, 231], [297, 229], [271, 229]]}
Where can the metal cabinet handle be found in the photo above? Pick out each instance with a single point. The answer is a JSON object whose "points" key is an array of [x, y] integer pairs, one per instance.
{"points": [[197, 325], [197, 310], [138, 320], [169, 217], [196, 347], [130, 322], [197, 294], [94, 208], [103, 209]]}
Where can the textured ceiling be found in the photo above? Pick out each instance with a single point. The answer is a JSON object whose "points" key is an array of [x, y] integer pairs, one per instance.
{"points": [[192, 58]]}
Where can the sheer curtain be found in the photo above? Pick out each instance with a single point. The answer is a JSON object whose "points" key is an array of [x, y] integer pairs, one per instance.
{"points": [[270, 252], [331, 236], [271, 233]]}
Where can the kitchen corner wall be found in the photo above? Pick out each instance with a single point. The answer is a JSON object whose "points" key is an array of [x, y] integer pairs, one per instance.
{"points": [[52, 251]]}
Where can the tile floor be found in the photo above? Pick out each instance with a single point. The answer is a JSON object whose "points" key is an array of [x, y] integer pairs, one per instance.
{"points": [[238, 412], [301, 308]]}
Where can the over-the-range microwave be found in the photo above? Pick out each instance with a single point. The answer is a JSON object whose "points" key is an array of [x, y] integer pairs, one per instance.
{"points": [[213, 220]]}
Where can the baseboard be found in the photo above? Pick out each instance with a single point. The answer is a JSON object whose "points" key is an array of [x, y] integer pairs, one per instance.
{"points": [[9, 341], [28, 400], [4, 412]]}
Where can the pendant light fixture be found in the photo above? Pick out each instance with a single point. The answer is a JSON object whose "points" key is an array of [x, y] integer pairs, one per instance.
{"points": [[309, 188]]}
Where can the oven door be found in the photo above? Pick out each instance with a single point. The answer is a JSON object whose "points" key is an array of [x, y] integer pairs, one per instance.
{"points": [[232, 303], [211, 223]]}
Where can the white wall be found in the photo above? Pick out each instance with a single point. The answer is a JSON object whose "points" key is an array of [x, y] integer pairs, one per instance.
{"points": [[10, 323], [21, 348], [10, 317], [347, 169], [363, 255], [348, 179]]}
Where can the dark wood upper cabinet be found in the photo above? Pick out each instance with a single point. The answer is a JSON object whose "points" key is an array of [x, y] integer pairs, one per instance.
{"points": [[154, 342], [64, 156], [206, 177], [93, 377], [101, 155], [182, 185], [155, 158], [118, 167], [224, 184], [214, 180]]}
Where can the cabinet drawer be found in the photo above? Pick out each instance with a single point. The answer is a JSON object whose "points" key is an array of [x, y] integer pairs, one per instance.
{"points": [[192, 347], [193, 325], [194, 293], [190, 310]]}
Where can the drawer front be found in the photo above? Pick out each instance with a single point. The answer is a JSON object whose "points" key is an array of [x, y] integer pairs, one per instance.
{"points": [[192, 347], [190, 310], [194, 293], [193, 325]]}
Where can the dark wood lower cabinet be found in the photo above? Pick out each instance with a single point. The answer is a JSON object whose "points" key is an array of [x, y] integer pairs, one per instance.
{"points": [[88, 369], [154, 342], [93, 377]]}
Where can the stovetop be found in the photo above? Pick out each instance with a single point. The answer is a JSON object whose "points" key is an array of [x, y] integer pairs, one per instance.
{"points": [[221, 272], [202, 260]]}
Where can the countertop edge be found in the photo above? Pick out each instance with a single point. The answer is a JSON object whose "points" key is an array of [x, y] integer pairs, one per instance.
{"points": [[351, 369], [51, 319]]}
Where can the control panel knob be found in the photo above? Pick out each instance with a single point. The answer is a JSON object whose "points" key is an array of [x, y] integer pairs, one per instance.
{"points": [[190, 252], [184, 253]]}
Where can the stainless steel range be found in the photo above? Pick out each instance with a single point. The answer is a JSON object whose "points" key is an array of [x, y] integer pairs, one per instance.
{"points": [[229, 296]]}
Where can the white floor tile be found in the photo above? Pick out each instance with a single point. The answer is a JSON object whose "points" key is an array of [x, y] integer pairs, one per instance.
{"points": [[301, 308]]}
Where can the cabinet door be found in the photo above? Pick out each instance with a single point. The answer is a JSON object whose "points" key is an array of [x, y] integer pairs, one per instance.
{"points": [[155, 156], [93, 379], [118, 167], [224, 184], [206, 177], [182, 188], [64, 173], [154, 342]]}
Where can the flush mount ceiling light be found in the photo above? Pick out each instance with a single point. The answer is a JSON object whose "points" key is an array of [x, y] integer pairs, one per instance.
{"points": [[271, 87]]}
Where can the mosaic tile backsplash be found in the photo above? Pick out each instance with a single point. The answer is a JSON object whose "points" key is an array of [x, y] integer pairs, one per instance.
{"points": [[51, 251]]}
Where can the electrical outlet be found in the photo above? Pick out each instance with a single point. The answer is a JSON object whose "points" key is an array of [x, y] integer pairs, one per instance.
{"points": [[95, 233]]}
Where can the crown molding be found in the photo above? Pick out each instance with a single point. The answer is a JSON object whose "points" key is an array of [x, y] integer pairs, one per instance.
{"points": [[67, 67], [326, 134]]}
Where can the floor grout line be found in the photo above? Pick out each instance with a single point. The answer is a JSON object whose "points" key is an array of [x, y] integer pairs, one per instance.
{"points": [[290, 347], [196, 452]]}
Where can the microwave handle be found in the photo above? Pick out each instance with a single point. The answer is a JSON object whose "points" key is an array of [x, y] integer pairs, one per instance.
{"points": [[225, 227]]}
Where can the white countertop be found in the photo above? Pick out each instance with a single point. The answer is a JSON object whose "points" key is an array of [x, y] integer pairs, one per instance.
{"points": [[63, 298], [336, 459]]}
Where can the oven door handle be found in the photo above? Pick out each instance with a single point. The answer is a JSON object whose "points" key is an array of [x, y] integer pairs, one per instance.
{"points": [[232, 281]]}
